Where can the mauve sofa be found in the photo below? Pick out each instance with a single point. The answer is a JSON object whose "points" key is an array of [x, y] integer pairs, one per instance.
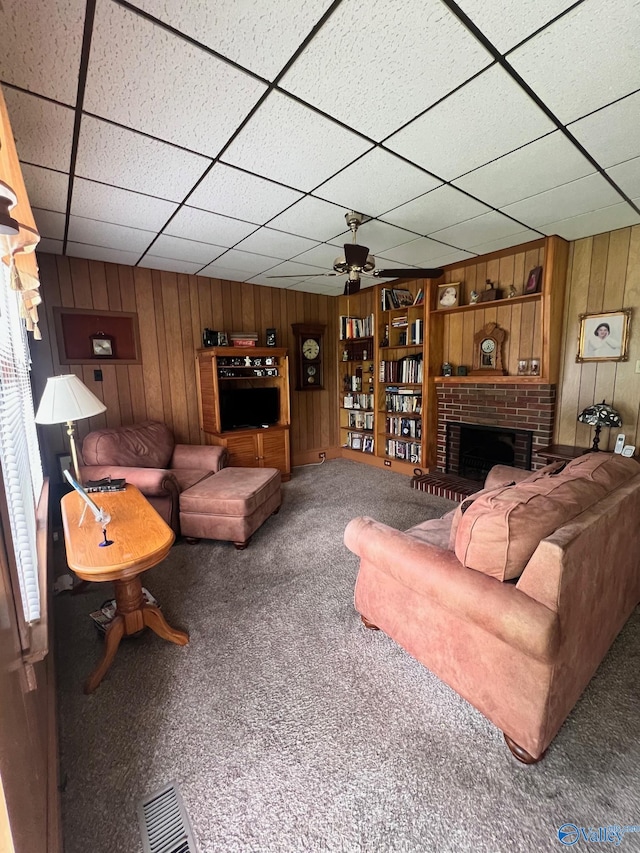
{"points": [[147, 456], [514, 598]]}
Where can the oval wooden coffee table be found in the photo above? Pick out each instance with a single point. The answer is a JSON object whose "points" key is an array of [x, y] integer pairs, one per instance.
{"points": [[140, 540]]}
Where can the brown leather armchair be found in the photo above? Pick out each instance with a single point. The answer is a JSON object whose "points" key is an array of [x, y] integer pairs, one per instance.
{"points": [[147, 456]]}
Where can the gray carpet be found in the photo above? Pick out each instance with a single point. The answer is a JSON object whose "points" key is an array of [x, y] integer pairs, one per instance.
{"points": [[290, 727]]}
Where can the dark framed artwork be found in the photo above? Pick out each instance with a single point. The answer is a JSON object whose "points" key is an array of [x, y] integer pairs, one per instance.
{"points": [[533, 282]]}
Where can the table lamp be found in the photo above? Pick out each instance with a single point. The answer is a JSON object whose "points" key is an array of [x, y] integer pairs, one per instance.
{"points": [[599, 415], [66, 400]]}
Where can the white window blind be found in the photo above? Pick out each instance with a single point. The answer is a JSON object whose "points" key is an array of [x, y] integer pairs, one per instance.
{"points": [[19, 452]]}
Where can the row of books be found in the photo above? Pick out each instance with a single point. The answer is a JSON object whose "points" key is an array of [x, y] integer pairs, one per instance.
{"points": [[356, 327], [358, 441], [361, 420], [407, 369], [407, 450], [398, 401], [353, 383], [405, 427], [357, 401]]}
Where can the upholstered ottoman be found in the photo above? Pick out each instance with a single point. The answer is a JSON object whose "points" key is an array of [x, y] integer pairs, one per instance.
{"points": [[230, 505]]}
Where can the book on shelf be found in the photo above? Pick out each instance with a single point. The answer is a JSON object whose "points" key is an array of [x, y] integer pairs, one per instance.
{"points": [[356, 327], [419, 300]]}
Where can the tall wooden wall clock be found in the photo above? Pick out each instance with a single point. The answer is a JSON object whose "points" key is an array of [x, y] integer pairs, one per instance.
{"points": [[309, 356]]}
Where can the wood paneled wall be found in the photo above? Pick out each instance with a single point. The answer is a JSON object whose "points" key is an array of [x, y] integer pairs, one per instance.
{"points": [[173, 309], [521, 320], [603, 275]]}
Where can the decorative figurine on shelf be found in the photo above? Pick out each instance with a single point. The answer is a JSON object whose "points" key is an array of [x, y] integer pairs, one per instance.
{"points": [[473, 297], [247, 361], [447, 369], [512, 292]]}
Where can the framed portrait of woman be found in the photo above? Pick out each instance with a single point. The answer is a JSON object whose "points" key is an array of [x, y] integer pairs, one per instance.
{"points": [[605, 336]]}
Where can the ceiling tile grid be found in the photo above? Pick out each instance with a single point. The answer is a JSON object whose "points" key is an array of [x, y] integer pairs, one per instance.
{"points": [[165, 89], [170, 87], [41, 52], [414, 52]]}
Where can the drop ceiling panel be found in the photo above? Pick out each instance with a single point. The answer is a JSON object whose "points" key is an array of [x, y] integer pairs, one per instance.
{"points": [[595, 222], [185, 250], [312, 218], [49, 223], [244, 262], [115, 155], [101, 253], [170, 265], [611, 135], [539, 166], [451, 258], [224, 273], [46, 188], [261, 42], [279, 245], [376, 64], [505, 242], [97, 201], [376, 182], [627, 176], [585, 60], [297, 269], [171, 89], [487, 118], [290, 143], [482, 229], [322, 257], [42, 131], [435, 210], [107, 234], [41, 46], [194, 224], [419, 252], [507, 24], [53, 247], [572, 199], [232, 192]]}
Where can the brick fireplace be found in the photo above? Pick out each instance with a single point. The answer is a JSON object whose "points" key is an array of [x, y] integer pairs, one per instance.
{"points": [[518, 406]]}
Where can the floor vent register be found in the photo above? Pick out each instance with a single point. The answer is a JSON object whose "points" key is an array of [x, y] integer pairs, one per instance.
{"points": [[164, 824]]}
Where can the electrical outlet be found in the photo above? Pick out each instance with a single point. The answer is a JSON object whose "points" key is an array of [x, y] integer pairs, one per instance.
{"points": [[387, 462], [322, 455], [638, 366], [97, 376]]}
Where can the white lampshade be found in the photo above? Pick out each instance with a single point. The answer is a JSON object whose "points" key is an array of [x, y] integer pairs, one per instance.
{"points": [[66, 398]]}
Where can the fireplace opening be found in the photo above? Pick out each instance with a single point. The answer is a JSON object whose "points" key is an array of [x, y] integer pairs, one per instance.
{"points": [[473, 449]]}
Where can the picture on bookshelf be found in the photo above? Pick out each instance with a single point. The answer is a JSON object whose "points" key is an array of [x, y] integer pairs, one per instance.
{"points": [[402, 297], [448, 295]]}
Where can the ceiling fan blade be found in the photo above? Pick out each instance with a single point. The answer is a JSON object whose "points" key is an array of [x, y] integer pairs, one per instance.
{"points": [[409, 273], [354, 255], [304, 275], [351, 287]]}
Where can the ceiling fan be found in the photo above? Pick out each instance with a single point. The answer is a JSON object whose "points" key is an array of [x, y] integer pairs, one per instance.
{"points": [[357, 262]]}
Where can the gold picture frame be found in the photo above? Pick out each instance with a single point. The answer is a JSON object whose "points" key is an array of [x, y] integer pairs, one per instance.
{"points": [[448, 296], [604, 336]]}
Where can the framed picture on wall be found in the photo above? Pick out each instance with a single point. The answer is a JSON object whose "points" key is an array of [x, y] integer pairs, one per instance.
{"points": [[532, 284], [605, 336]]}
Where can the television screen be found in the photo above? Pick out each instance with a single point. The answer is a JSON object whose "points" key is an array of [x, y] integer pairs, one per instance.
{"points": [[249, 407]]}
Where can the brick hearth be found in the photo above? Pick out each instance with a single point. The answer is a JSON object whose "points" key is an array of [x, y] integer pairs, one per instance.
{"points": [[509, 406]]}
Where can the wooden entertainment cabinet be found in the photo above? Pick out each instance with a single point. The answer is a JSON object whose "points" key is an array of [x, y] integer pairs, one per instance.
{"points": [[246, 367]]}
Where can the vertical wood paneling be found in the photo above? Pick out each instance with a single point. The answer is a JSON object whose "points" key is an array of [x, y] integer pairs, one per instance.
{"points": [[603, 275], [172, 310]]}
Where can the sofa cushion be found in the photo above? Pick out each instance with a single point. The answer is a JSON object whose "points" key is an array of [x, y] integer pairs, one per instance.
{"points": [[145, 445], [188, 477], [501, 529], [434, 531]]}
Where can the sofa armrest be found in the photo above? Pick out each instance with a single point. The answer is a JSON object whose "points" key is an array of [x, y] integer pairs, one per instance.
{"points": [[501, 475], [199, 456], [498, 608], [152, 482]]}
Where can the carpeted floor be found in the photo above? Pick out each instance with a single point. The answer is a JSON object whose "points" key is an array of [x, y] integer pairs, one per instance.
{"points": [[290, 727]]}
